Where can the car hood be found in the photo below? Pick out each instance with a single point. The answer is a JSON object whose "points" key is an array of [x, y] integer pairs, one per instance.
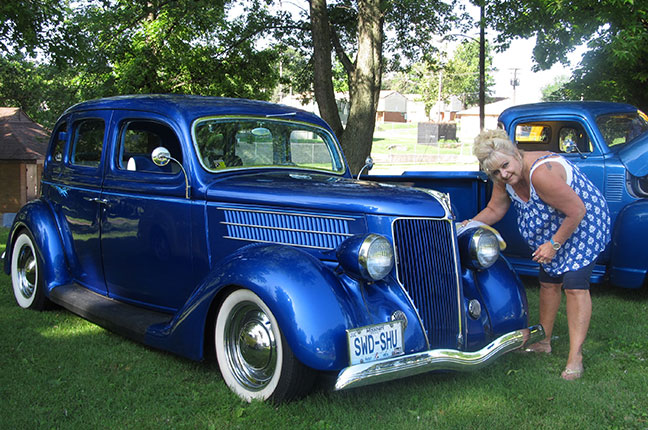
{"points": [[311, 191], [634, 155]]}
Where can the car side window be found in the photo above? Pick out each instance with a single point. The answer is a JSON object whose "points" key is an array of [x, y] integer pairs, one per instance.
{"points": [[58, 144], [573, 138], [88, 142], [138, 139], [534, 137]]}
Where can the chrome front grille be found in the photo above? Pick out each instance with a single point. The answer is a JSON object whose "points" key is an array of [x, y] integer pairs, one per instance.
{"points": [[426, 266], [304, 230]]}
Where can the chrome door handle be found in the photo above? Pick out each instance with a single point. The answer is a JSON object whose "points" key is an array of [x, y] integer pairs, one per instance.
{"points": [[97, 200]]}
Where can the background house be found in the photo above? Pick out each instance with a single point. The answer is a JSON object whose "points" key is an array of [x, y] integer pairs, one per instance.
{"points": [[392, 107], [469, 119], [23, 144]]}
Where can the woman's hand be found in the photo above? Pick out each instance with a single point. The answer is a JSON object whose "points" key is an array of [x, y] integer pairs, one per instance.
{"points": [[544, 254]]}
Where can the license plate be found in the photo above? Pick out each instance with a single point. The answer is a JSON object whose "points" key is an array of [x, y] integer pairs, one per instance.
{"points": [[375, 342]]}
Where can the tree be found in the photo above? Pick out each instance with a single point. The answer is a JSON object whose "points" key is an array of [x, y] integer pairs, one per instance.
{"points": [[355, 32], [616, 33], [555, 91], [115, 47], [22, 23], [461, 73]]}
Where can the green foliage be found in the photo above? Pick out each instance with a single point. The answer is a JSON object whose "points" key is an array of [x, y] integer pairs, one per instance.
{"points": [[459, 77], [461, 73], [22, 23], [615, 32], [555, 91], [143, 46]]}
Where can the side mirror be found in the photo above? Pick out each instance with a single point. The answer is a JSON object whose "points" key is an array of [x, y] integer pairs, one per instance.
{"points": [[369, 163], [569, 146], [161, 157]]}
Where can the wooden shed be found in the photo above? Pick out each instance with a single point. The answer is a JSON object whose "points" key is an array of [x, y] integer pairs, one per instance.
{"points": [[23, 144]]}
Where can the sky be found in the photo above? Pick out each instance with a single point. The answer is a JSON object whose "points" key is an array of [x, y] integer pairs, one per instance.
{"points": [[517, 60]]}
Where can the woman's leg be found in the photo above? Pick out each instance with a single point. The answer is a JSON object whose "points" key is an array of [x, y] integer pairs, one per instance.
{"points": [[579, 313], [550, 297]]}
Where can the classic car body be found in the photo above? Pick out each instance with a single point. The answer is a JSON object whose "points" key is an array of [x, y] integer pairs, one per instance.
{"points": [[194, 224], [609, 143]]}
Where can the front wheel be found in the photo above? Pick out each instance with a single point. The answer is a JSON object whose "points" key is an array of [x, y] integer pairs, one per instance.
{"points": [[26, 276], [253, 355]]}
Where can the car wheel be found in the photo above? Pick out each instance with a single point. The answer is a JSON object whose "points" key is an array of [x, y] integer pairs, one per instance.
{"points": [[26, 276], [253, 355]]}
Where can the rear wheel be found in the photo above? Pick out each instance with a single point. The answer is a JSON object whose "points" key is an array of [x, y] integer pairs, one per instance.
{"points": [[253, 355], [26, 276]]}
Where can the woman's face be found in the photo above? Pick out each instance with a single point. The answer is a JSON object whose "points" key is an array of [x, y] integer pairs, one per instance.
{"points": [[506, 168]]}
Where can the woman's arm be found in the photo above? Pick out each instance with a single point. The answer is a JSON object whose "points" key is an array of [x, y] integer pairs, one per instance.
{"points": [[496, 208], [550, 182]]}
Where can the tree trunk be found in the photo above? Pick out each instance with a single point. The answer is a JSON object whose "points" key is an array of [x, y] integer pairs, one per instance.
{"points": [[323, 68], [364, 85], [364, 78]]}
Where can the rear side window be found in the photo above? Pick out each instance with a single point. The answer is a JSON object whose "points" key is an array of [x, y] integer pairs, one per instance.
{"points": [[138, 139], [87, 142]]}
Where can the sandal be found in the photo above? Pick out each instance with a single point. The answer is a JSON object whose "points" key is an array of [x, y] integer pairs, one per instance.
{"points": [[537, 348], [571, 374]]}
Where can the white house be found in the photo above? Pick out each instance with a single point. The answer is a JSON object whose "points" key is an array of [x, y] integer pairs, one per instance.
{"points": [[469, 119]]}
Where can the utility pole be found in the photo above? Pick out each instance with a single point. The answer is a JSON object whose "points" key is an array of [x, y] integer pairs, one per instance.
{"points": [[482, 67], [515, 82]]}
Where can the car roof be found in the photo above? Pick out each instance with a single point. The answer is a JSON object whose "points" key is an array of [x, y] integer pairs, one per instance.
{"points": [[190, 107], [589, 109]]}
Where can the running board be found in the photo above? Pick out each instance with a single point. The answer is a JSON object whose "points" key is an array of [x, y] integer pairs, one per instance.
{"points": [[122, 318]]}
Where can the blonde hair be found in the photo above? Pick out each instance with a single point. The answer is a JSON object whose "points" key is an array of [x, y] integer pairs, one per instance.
{"points": [[489, 147]]}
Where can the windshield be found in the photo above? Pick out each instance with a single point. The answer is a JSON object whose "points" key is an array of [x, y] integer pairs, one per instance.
{"points": [[234, 143], [621, 128]]}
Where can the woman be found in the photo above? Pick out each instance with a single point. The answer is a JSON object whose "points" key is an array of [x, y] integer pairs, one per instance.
{"points": [[565, 220]]}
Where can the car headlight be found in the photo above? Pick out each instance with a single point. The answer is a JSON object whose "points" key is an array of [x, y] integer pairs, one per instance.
{"points": [[484, 248], [368, 256]]}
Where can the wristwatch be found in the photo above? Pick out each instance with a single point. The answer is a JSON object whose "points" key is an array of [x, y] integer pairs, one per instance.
{"points": [[556, 245]]}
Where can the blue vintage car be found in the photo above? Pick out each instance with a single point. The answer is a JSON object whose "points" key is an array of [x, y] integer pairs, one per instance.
{"points": [[196, 224], [609, 143]]}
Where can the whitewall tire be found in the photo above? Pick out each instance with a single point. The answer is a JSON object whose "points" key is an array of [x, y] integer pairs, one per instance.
{"points": [[254, 358]]}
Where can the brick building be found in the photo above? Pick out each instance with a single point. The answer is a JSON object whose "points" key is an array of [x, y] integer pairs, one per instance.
{"points": [[23, 144]]}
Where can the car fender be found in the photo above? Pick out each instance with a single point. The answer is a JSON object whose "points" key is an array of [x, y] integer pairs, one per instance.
{"points": [[37, 217], [503, 299], [306, 297], [628, 260]]}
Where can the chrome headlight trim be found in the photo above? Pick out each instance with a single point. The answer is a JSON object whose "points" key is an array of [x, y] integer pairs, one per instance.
{"points": [[484, 248], [375, 257], [366, 256]]}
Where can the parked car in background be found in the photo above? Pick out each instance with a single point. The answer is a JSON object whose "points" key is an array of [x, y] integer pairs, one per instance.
{"points": [[196, 224], [609, 143]]}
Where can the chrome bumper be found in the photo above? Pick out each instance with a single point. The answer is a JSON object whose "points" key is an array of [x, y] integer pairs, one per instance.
{"points": [[436, 359]]}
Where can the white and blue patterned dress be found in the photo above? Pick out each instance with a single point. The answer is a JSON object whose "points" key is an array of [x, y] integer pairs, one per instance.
{"points": [[538, 222]]}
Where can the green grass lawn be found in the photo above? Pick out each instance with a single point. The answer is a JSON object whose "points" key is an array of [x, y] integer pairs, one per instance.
{"points": [[395, 149], [58, 371]]}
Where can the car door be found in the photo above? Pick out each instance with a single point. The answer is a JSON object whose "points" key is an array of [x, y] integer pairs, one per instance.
{"points": [[146, 232], [75, 192]]}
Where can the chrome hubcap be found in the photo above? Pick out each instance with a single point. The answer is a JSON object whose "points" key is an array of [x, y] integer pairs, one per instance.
{"points": [[27, 271], [251, 346]]}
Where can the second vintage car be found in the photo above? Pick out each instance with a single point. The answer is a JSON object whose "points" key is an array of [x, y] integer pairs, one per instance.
{"points": [[196, 224]]}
